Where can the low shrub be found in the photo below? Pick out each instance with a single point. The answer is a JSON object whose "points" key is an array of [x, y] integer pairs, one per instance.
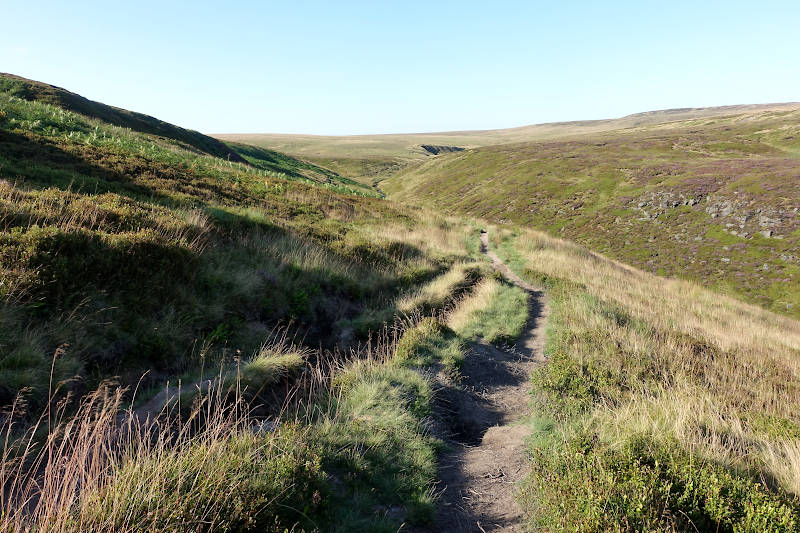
{"points": [[583, 485]]}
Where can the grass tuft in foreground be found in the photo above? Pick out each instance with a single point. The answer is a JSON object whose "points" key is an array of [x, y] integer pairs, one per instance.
{"points": [[351, 451], [104, 469]]}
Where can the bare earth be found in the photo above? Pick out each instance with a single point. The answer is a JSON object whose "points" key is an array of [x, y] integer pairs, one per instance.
{"points": [[479, 475]]}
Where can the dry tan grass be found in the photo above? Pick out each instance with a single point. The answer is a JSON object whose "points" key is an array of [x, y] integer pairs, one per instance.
{"points": [[723, 372], [433, 235], [435, 293], [97, 468], [73, 211], [479, 299], [669, 303]]}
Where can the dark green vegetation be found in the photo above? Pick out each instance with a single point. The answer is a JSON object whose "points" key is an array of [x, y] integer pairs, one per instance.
{"points": [[714, 200], [579, 485]]}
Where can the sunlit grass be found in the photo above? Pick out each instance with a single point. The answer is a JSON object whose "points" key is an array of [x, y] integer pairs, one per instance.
{"points": [[649, 369]]}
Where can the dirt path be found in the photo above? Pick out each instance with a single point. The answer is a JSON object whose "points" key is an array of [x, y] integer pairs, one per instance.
{"points": [[487, 457]]}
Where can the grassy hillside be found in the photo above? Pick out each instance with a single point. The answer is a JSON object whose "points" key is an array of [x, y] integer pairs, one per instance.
{"points": [[334, 325], [663, 406], [368, 158], [129, 260], [134, 252], [713, 200], [42, 92]]}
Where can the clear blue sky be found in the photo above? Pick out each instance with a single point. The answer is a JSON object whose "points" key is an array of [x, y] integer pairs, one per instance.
{"points": [[404, 66]]}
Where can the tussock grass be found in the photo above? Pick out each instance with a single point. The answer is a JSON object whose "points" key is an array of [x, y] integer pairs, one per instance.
{"points": [[427, 299], [435, 294], [129, 248], [447, 237], [350, 451], [658, 383], [124, 251], [373, 435], [104, 469], [496, 311], [272, 363], [428, 343]]}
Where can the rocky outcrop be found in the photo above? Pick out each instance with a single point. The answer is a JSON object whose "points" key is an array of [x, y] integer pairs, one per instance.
{"points": [[655, 203], [740, 215], [745, 216]]}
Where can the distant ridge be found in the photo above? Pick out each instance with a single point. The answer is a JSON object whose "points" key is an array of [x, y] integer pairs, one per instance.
{"points": [[719, 109], [370, 157]]}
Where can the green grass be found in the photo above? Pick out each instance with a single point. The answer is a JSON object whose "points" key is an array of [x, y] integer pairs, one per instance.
{"points": [[429, 343], [374, 443], [502, 320], [358, 456], [281, 165], [235, 484], [134, 250], [665, 198], [423, 300], [268, 367], [635, 419], [373, 435], [41, 92]]}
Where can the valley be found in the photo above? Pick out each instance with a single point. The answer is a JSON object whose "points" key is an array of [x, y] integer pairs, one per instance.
{"points": [[580, 326], [712, 199]]}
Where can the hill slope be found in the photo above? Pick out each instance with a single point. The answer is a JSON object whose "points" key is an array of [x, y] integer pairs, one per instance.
{"points": [[128, 259], [42, 92], [129, 246], [711, 199], [662, 407], [371, 157]]}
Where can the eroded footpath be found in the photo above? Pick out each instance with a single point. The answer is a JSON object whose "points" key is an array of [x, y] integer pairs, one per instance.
{"points": [[482, 416]]}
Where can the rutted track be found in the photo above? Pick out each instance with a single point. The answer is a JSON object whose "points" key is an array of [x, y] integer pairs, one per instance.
{"points": [[483, 416]]}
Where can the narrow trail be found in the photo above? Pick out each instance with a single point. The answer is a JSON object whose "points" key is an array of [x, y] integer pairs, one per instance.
{"points": [[483, 414]]}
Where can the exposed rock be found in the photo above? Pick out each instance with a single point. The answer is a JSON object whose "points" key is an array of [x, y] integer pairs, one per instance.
{"points": [[655, 203], [748, 215]]}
